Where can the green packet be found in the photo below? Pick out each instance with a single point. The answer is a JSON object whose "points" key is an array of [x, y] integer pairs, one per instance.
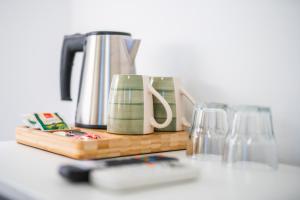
{"points": [[46, 121]]}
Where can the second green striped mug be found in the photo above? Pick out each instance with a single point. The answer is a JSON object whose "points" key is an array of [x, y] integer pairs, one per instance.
{"points": [[131, 106], [171, 89]]}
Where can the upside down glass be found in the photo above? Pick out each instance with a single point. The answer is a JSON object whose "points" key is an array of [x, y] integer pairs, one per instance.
{"points": [[251, 138], [207, 133]]}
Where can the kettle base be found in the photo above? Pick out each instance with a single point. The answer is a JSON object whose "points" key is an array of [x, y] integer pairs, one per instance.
{"points": [[90, 126]]}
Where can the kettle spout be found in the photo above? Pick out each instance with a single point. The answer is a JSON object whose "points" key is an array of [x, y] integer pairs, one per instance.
{"points": [[133, 46]]}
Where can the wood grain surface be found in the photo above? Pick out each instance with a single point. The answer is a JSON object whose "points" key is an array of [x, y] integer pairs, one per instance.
{"points": [[108, 146]]}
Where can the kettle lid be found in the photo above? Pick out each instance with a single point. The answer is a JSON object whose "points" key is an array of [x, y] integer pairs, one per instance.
{"points": [[107, 33]]}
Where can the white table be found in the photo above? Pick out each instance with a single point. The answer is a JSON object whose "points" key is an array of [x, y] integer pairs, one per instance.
{"points": [[34, 172]]}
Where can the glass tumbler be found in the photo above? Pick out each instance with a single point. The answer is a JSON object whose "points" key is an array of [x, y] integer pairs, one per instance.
{"points": [[251, 138], [224, 107], [207, 133]]}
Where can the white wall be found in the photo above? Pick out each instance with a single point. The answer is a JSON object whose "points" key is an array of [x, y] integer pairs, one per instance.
{"points": [[31, 34], [237, 52]]}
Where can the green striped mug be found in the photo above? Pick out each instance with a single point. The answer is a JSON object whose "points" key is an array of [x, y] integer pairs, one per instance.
{"points": [[131, 106], [172, 91]]}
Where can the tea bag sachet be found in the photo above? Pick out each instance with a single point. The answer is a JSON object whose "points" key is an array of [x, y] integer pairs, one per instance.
{"points": [[46, 121]]}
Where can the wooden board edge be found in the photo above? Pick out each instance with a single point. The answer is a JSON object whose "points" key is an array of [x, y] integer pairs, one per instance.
{"points": [[82, 151]]}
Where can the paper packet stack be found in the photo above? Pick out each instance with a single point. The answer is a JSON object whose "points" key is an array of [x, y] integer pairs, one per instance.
{"points": [[45, 121]]}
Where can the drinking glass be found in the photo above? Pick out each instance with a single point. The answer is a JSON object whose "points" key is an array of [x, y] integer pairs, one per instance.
{"points": [[207, 133], [251, 138], [222, 106]]}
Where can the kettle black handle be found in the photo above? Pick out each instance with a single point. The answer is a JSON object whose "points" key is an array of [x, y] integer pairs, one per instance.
{"points": [[71, 45]]}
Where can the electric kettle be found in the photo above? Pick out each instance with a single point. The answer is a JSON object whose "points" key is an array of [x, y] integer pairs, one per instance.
{"points": [[105, 53]]}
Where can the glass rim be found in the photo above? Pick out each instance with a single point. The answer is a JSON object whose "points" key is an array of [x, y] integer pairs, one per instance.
{"points": [[199, 105], [217, 105], [251, 108], [211, 105]]}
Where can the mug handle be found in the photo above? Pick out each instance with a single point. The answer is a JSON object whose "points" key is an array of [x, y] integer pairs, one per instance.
{"points": [[183, 92], [165, 105]]}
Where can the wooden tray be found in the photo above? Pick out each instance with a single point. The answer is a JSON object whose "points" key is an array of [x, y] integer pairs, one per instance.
{"points": [[108, 146]]}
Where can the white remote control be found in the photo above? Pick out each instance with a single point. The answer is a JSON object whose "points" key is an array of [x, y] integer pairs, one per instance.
{"points": [[135, 176]]}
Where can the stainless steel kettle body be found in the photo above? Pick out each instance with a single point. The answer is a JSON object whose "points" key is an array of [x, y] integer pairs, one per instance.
{"points": [[105, 53]]}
